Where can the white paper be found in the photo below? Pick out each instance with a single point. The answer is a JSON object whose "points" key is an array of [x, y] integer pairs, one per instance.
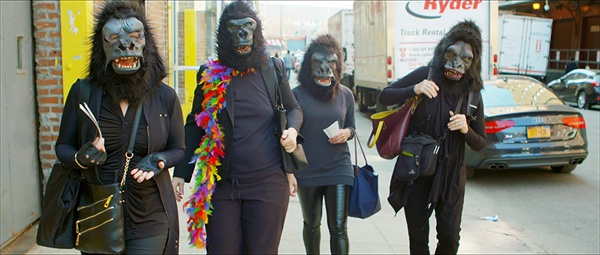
{"points": [[332, 130]]}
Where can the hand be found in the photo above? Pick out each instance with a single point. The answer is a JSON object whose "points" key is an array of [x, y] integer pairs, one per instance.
{"points": [[427, 88], [341, 137], [293, 184], [92, 153], [178, 184], [288, 139], [458, 122], [148, 167]]}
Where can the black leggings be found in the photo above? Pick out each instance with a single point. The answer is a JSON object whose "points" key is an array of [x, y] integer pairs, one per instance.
{"points": [[336, 204]]}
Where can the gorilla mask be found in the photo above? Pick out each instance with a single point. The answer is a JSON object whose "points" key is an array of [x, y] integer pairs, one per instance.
{"points": [[459, 57], [323, 62], [123, 44], [242, 32]]}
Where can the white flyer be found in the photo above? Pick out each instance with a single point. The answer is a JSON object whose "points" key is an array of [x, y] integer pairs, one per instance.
{"points": [[332, 130]]}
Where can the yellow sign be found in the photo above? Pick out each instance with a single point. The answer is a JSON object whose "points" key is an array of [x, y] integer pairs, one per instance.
{"points": [[189, 58], [76, 22]]}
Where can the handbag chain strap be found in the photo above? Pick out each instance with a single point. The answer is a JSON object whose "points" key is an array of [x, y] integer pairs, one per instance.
{"points": [[129, 152], [356, 141]]}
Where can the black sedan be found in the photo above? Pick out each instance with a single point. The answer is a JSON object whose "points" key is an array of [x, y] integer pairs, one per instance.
{"points": [[527, 125], [580, 86]]}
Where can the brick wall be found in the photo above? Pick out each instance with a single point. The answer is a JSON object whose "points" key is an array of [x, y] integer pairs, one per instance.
{"points": [[48, 59], [48, 68]]}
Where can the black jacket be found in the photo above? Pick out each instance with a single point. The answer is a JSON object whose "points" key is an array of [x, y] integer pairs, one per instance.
{"points": [[194, 133], [165, 133], [431, 117]]}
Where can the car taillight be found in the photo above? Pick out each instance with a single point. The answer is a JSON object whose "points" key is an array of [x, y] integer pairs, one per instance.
{"points": [[595, 84], [575, 122], [495, 126]]}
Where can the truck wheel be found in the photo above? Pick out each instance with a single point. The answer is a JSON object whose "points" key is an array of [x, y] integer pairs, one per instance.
{"points": [[581, 100], [564, 169], [360, 96]]}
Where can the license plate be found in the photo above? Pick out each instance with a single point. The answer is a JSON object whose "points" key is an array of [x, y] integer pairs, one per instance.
{"points": [[538, 132]]}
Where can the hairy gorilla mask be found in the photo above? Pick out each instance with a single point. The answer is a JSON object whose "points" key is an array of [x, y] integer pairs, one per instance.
{"points": [[123, 44], [323, 62], [459, 57], [240, 40], [125, 60], [456, 61], [321, 69], [242, 32]]}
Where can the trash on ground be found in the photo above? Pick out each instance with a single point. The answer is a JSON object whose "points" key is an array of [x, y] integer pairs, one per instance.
{"points": [[493, 218]]}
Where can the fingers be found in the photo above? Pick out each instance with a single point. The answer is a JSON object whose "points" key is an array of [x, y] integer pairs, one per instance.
{"points": [[140, 175], [161, 165], [99, 143], [458, 122], [427, 88]]}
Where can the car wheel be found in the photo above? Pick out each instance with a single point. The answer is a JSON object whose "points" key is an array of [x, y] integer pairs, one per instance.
{"points": [[564, 169], [470, 172], [581, 100]]}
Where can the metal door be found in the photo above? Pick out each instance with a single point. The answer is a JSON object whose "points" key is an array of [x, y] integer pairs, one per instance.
{"points": [[20, 174]]}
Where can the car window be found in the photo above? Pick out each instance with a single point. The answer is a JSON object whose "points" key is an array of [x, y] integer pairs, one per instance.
{"points": [[597, 78], [515, 92], [570, 77]]}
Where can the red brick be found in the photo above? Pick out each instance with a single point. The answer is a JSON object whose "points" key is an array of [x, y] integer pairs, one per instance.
{"points": [[57, 109], [48, 100], [46, 138], [41, 24], [46, 62], [53, 15], [43, 82], [39, 34], [57, 72], [54, 34], [47, 43], [44, 109], [43, 71], [46, 165], [56, 128], [47, 6], [58, 91], [46, 147], [44, 129], [47, 156], [43, 92]]}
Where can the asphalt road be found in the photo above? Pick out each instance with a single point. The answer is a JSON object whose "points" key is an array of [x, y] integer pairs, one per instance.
{"points": [[550, 213]]}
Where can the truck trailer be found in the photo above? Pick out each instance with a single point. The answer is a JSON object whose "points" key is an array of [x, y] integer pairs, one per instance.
{"points": [[341, 27], [524, 45], [392, 38]]}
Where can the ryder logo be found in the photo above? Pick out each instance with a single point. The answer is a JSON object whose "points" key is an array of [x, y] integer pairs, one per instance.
{"points": [[434, 9]]}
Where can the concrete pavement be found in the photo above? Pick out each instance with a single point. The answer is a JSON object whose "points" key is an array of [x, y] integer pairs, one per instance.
{"points": [[380, 234]]}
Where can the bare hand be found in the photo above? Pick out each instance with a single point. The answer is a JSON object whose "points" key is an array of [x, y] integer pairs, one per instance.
{"points": [[178, 184], [458, 122], [99, 143], [288, 139], [141, 176], [341, 137], [293, 184], [427, 88]]}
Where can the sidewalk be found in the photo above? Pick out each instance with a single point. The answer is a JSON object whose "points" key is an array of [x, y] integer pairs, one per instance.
{"points": [[380, 234]]}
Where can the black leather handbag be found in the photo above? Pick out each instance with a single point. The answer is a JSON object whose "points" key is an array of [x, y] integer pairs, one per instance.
{"points": [[56, 227], [100, 224], [296, 160]]}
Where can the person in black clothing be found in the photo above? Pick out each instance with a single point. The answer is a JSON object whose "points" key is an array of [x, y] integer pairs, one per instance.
{"points": [[329, 175], [241, 190], [454, 72], [570, 66], [125, 73]]}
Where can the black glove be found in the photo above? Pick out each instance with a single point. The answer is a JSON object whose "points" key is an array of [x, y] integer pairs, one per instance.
{"points": [[88, 156], [150, 163]]}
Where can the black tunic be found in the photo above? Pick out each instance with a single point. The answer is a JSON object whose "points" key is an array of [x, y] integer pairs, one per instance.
{"points": [[431, 117]]}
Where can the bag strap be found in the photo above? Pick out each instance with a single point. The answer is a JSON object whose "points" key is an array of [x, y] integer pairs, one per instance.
{"points": [[356, 141], [129, 153], [456, 111]]}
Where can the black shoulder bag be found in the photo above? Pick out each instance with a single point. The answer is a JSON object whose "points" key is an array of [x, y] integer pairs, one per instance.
{"points": [[56, 228], [419, 154], [295, 161], [100, 225]]}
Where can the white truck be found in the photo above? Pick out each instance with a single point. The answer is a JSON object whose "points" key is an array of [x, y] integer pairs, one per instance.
{"points": [[524, 44], [392, 38], [341, 26]]}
